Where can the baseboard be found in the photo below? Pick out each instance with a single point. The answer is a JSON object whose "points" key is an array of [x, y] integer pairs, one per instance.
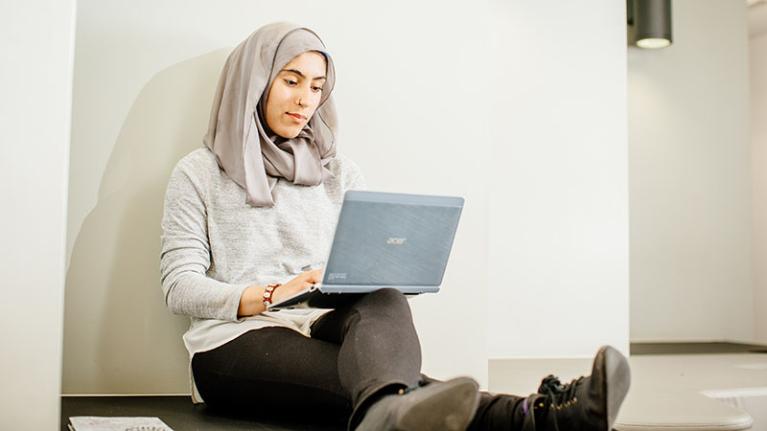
{"points": [[126, 395]]}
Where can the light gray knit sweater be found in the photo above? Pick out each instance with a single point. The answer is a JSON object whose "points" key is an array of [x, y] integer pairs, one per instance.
{"points": [[214, 245]]}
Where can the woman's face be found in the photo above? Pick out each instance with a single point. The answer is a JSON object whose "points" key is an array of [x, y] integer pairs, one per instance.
{"points": [[295, 94]]}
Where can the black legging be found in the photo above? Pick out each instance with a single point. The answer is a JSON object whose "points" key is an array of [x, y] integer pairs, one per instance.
{"points": [[355, 354]]}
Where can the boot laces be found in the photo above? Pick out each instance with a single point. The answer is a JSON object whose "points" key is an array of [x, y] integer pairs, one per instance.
{"points": [[558, 393], [552, 396]]}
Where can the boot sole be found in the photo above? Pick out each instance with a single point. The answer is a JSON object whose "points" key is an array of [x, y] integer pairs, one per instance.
{"points": [[450, 407], [618, 378]]}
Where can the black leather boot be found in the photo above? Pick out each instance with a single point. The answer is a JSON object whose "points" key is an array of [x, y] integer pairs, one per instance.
{"points": [[587, 403], [439, 406]]}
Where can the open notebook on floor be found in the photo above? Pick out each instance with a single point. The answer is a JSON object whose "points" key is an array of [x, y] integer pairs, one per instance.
{"points": [[383, 240], [116, 423]]}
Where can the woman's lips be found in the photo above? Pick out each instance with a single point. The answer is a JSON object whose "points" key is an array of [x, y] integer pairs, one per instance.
{"points": [[297, 117]]}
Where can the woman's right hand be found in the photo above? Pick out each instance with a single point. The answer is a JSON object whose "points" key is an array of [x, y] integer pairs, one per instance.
{"points": [[297, 284]]}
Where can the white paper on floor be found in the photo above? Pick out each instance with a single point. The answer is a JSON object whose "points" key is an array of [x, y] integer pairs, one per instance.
{"points": [[115, 423]]}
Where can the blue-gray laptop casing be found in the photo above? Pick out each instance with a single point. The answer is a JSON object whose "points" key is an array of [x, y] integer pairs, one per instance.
{"points": [[382, 240]]}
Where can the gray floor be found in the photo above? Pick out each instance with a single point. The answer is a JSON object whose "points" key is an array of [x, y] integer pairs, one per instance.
{"points": [[694, 348], [695, 386], [180, 414]]}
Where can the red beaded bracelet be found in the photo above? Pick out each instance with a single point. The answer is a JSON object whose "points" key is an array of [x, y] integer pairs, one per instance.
{"points": [[269, 291]]}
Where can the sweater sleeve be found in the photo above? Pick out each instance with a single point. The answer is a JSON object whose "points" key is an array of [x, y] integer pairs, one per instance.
{"points": [[185, 254]]}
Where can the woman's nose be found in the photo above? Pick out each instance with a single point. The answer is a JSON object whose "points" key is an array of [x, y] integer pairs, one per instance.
{"points": [[302, 97]]}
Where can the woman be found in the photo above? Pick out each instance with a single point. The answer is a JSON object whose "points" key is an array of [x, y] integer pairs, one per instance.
{"points": [[245, 219]]}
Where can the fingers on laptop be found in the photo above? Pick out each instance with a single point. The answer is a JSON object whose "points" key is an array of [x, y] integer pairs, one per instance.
{"points": [[314, 276]]}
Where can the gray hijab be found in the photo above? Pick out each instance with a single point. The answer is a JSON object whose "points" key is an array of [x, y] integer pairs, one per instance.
{"points": [[250, 154]]}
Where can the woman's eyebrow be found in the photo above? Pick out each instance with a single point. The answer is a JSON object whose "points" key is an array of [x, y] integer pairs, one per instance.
{"points": [[298, 72]]}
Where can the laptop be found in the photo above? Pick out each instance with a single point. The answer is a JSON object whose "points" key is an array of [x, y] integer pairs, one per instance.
{"points": [[395, 240]]}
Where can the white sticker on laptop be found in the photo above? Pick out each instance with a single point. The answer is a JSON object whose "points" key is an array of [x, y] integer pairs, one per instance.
{"points": [[336, 276]]}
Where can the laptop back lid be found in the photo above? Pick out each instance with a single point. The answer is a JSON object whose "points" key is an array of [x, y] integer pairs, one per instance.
{"points": [[392, 239]]}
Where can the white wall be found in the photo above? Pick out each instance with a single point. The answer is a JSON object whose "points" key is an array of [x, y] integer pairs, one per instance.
{"points": [[559, 180], [474, 100], [758, 63], [690, 179], [145, 75], [37, 43]]}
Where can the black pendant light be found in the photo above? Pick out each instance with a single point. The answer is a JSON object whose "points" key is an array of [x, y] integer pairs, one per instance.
{"points": [[651, 22]]}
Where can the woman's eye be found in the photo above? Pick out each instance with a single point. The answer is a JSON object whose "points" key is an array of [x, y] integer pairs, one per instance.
{"points": [[316, 89], [290, 82]]}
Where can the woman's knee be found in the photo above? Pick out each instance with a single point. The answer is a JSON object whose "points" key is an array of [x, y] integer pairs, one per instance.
{"points": [[386, 299], [389, 295]]}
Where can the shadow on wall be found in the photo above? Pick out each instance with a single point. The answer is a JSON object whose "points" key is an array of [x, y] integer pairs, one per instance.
{"points": [[118, 335]]}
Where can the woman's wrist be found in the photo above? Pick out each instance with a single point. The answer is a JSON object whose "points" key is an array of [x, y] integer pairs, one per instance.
{"points": [[251, 301], [269, 291]]}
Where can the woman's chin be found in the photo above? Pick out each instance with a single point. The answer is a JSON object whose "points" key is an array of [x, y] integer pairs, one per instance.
{"points": [[288, 132]]}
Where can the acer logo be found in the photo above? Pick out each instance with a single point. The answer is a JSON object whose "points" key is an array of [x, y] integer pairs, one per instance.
{"points": [[396, 241]]}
